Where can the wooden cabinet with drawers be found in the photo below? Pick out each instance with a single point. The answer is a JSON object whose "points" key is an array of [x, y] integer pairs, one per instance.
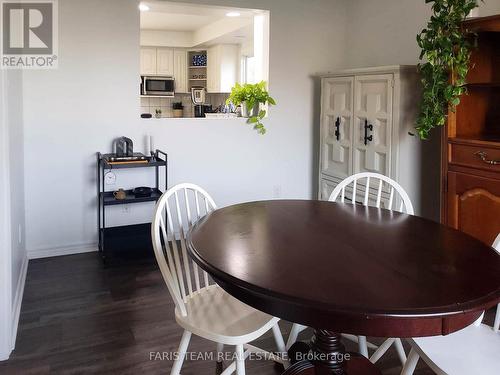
{"points": [[471, 146]]}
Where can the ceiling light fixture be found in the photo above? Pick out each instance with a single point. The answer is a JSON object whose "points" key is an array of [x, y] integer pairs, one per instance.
{"points": [[233, 14], [143, 7]]}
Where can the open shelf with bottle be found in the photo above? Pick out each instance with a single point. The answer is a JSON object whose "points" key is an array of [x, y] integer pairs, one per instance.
{"points": [[197, 72]]}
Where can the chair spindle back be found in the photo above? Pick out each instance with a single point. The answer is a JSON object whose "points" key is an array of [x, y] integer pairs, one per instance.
{"points": [[176, 212], [371, 185]]}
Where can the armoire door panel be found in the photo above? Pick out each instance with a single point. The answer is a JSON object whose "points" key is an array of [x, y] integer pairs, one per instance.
{"points": [[368, 160], [474, 205], [336, 132], [373, 97]]}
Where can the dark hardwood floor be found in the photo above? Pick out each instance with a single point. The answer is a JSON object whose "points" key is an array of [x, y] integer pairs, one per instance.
{"points": [[80, 318]]}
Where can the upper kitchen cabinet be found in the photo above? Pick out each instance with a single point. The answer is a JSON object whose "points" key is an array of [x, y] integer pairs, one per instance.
{"points": [[222, 67], [180, 71], [157, 61], [165, 61], [148, 61]]}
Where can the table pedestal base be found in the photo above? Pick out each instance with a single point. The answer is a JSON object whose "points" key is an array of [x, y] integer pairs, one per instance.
{"points": [[328, 357]]}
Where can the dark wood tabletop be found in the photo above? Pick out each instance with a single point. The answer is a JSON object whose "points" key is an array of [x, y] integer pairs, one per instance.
{"points": [[348, 268]]}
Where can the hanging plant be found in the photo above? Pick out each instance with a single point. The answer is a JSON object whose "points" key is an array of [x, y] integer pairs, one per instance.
{"points": [[445, 62], [251, 97]]}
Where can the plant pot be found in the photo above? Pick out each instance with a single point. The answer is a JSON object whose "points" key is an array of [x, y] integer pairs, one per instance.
{"points": [[249, 112], [178, 113]]}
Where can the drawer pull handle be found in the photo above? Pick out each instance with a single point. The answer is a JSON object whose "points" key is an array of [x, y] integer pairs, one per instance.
{"points": [[484, 157]]}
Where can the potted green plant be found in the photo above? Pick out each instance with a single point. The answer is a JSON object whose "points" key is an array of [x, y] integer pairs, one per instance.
{"points": [[158, 113], [177, 109], [252, 98], [445, 55]]}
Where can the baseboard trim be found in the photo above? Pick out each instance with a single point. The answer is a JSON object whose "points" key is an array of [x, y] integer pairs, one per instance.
{"points": [[60, 251], [18, 300]]}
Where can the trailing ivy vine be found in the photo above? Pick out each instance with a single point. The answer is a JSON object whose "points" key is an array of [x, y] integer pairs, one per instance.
{"points": [[444, 62]]}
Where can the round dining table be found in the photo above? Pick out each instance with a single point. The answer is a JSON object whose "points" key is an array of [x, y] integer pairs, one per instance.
{"points": [[347, 268]]}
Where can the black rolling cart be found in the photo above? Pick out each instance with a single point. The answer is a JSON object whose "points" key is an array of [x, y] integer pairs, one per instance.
{"points": [[126, 242]]}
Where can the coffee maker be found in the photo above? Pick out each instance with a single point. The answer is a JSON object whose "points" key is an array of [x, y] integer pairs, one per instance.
{"points": [[198, 98]]}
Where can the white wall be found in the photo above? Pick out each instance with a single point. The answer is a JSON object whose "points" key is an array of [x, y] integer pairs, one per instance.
{"points": [[19, 258], [489, 8], [69, 115], [12, 254], [16, 150], [5, 244], [383, 32]]}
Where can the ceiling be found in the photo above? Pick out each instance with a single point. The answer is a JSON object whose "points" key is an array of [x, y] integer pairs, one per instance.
{"points": [[169, 16], [236, 37], [174, 22]]}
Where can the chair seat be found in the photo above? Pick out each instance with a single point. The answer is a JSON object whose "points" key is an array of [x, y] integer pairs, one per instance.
{"points": [[464, 352], [215, 315]]}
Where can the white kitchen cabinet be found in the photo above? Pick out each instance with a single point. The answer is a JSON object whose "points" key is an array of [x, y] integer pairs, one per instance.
{"points": [[180, 70], [148, 61], [212, 75], [165, 61], [222, 67], [366, 118]]}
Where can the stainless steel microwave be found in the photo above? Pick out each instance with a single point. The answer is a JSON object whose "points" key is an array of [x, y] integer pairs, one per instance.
{"points": [[157, 86]]}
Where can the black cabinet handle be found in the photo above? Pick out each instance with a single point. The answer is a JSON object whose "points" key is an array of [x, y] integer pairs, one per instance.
{"points": [[368, 127], [337, 129]]}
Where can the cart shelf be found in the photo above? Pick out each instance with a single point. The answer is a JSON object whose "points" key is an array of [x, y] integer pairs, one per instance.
{"points": [[156, 162], [110, 200]]}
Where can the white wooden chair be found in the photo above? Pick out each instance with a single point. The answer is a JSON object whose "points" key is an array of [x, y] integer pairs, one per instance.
{"points": [[472, 350], [201, 306], [379, 191]]}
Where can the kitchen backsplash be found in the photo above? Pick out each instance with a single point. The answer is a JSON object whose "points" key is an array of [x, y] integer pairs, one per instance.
{"points": [[150, 105]]}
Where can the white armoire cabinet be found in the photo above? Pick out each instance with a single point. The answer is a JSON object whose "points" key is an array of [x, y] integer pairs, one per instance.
{"points": [[366, 118]]}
